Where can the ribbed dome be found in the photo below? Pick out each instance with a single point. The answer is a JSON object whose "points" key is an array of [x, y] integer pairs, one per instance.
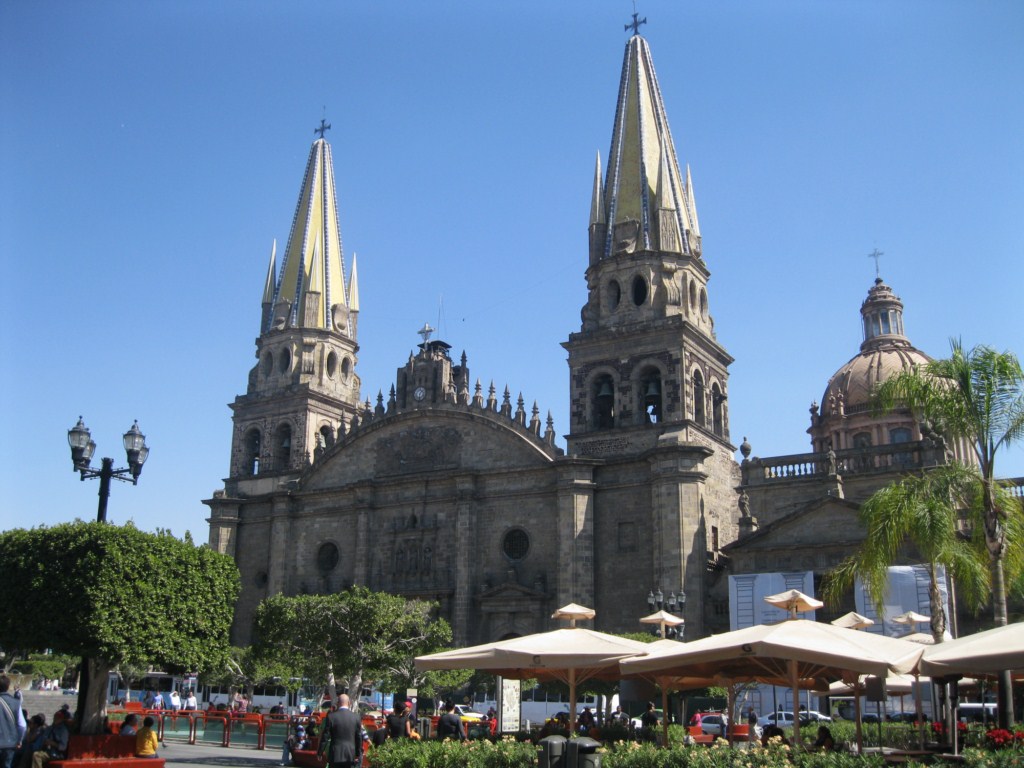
{"points": [[844, 419], [851, 385]]}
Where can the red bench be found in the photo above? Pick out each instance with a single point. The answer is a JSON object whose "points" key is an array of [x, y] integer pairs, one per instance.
{"points": [[104, 751]]}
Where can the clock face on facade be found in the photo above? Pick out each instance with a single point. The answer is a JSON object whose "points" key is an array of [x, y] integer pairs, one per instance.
{"points": [[419, 393]]}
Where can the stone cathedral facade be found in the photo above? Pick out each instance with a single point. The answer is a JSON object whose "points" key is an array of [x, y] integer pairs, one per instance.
{"points": [[446, 492]]}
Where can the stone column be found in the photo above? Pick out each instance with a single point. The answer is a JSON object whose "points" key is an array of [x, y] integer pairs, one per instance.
{"points": [[280, 530], [575, 531], [464, 544]]}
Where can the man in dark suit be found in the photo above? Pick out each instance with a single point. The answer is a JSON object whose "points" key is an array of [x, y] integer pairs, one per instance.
{"points": [[344, 730]]}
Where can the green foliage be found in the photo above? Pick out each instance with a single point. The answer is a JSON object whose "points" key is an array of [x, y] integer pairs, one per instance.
{"points": [[117, 594], [357, 634], [405, 753], [720, 755], [39, 667], [921, 511]]}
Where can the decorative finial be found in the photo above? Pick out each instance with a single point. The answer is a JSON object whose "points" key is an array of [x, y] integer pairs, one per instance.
{"points": [[324, 127], [876, 255], [635, 26], [425, 332]]}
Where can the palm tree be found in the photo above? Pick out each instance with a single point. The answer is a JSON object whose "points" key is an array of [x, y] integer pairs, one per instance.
{"points": [[975, 396], [918, 512]]}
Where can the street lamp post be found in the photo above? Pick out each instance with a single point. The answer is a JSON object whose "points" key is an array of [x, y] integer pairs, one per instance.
{"points": [[656, 602], [82, 449]]}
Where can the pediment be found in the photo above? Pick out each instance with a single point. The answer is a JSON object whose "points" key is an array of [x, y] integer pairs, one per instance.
{"points": [[427, 441], [822, 522]]}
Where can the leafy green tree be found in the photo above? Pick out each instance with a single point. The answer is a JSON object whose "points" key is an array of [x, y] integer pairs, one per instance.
{"points": [[357, 635], [114, 594], [976, 396], [922, 512]]}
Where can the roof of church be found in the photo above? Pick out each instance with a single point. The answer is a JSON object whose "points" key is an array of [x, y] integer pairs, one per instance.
{"points": [[313, 268], [643, 175], [885, 351]]}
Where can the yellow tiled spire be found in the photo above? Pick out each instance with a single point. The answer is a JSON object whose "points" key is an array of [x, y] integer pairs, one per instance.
{"points": [[313, 258], [644, 191]]}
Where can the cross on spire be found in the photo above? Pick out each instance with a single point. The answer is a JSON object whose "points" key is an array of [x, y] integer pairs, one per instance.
{"points": [[425, 332], [876, 255], [635, 25], [324, 127]]}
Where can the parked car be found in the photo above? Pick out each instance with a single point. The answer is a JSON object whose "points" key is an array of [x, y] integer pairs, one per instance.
{"points": [[781, 719], [713, 723], [467, 714], [813, 716]]}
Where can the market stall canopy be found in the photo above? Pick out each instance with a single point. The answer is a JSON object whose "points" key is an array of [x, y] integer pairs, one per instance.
{"points": [[983, 653]]}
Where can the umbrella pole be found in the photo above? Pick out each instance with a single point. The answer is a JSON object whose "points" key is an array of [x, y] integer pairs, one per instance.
{"points": [[856, 709], [664, 715], [920, 716], [794, 682], [572, 702]]}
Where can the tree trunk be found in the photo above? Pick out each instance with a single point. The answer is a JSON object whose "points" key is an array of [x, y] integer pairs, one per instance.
{"points": [[332, 687], [937, 621], [92, 711]]}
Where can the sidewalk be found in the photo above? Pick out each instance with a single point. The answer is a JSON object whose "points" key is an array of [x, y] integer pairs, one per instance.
{"points": [[178, 753]]}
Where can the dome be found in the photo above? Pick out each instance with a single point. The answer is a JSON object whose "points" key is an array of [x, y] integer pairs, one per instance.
{"points": [[844, 419]]}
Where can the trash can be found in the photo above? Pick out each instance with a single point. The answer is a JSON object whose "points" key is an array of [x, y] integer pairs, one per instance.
{"points": [[582, 753], [552, 752]]}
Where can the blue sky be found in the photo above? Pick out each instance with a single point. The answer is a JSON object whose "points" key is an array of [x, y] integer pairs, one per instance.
{"points": [[152, 151]]}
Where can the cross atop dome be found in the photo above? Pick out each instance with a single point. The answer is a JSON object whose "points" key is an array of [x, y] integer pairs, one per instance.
{"points": [[324, 127], [635, 25]]}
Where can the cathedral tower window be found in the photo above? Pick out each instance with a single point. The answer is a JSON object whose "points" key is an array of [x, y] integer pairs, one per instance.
{"points": [[285, 361], [252, 452], [703, 304], [639, 290], [698, 398], [346, 367], [717, 410], [332, 364], [268, 363], [283, 447], [650, 395], [603, 398], [693, 297]]}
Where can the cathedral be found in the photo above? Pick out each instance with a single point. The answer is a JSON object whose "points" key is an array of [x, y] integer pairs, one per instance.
{"points": [[447, 492]]}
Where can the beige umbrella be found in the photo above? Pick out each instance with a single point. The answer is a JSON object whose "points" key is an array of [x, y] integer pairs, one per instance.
{"points": [[794, 601], [568, 655], [852, 620], [663, 619], [923, 638], [911, 617], [983, 653], [796, 652]]}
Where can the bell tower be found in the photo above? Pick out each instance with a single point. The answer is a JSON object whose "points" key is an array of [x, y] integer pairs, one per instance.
{"points": [[304, 388], [646, 357]]}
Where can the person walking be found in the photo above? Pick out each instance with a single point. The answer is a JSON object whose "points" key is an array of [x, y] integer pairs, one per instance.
{"points": [[343, 730], [449, 726], [12, 722]]}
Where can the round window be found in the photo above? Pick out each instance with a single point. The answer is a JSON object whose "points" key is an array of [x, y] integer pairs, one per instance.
{"points": [[286, 360], [327, 557], [516, 544], [332, 364]]}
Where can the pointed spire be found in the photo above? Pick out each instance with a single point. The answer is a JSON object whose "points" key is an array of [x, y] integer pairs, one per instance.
{"points": [[668, 222], [353, 287], [315, 222], [478, 398], [643, 172], [268, 290], [691, 206], [492, 401], [597, 212], [549, 432]]}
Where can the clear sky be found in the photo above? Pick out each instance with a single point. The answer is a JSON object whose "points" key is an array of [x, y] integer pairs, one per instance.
{"points": [[150, 152]]}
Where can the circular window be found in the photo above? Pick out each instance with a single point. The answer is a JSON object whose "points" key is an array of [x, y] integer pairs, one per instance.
{"points": [[268, 364], [516, 544], [614, 294], [332, 364], [261, 579], [327, 557], [639, 290], [286, 360]]}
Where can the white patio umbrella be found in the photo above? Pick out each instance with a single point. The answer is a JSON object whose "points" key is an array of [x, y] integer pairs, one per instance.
{"points": [[569, 655], [983, 653], [852, 620], [794, 601], [797, 652]]}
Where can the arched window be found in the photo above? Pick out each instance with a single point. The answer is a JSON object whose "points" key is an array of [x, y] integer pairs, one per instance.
{"points": [[650, 395], [698, 398], [603, 399], [252, 452], [283, 447], [717, 410]]}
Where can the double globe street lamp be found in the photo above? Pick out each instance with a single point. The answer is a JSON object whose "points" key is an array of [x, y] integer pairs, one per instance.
{"points": [[656, 602], [82, 449]]}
